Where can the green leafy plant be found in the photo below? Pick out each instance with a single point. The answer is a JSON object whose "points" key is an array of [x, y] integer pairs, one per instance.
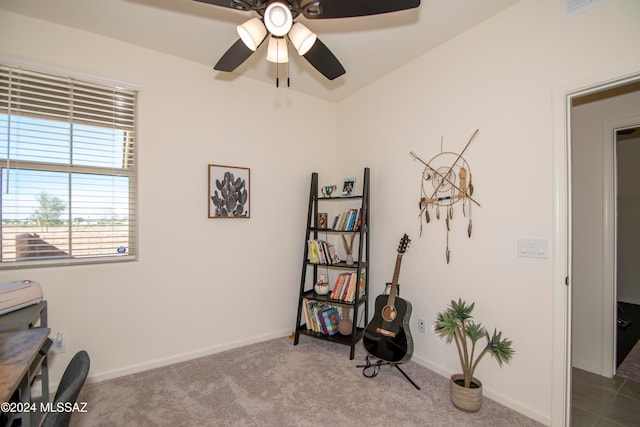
{"points": [[456, 324]]}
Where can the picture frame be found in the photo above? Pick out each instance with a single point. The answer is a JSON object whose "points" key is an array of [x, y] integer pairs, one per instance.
{"points": [[322, 221], [349, 187], [229, 191]]}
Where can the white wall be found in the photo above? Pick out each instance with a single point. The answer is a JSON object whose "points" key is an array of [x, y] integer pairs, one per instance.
{"points": [[200, 284], [498, 77], [590, 118]]}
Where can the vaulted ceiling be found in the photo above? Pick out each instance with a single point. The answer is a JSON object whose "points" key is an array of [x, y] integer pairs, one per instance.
{"points": [[368, 47]]}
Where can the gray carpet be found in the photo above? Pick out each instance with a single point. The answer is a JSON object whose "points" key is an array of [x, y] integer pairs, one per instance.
{"points": [[275, 383], [630, 366]]}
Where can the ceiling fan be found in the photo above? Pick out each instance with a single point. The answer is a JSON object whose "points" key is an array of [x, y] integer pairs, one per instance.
{"points": [[277, 18]]}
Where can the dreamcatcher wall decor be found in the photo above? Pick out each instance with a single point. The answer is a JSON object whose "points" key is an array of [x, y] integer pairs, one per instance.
{"points": [[446, 180]]}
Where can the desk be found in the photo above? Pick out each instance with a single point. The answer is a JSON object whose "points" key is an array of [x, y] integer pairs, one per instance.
{"points": [[18, 353], [29, 317]]}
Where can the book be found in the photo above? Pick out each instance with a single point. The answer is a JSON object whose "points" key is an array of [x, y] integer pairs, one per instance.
{"points": [[325, 252], [321, 257], [339, 222], [305, 309], [321, 320], [338, 285], [345, 219], [335, 222], [315, 308], [313, 253], [309, 308], [357, 225], [322, 252], [361, 287], [331, 318], [353, 279], [333, 254], [346, 289], [351, 219]]}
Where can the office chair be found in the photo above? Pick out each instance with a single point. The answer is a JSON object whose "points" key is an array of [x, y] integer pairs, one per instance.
{"points": [[68, 390]]}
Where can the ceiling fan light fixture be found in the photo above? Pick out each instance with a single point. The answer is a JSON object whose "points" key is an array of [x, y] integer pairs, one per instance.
{"points": [[278, 19], [302, 38], [277, 50], [252, 33]]}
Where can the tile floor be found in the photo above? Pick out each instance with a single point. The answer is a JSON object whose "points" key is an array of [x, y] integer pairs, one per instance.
{"points": [[604, 402]]}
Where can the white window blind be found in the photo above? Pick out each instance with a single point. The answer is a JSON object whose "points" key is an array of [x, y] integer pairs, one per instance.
{"points": [[68, 170]]}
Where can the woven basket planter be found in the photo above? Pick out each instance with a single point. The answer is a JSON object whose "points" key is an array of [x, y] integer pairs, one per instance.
{"points": [[465, 399]]}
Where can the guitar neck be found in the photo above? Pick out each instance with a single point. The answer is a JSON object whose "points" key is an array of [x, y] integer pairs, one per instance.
{"points": [[394, 284]]}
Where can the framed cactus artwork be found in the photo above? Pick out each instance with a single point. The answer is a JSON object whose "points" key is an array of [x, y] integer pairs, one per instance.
{"points": [[229, 192]]}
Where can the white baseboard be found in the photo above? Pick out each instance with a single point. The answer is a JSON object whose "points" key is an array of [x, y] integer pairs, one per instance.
{"points": [[182, 357], [503, 400]]}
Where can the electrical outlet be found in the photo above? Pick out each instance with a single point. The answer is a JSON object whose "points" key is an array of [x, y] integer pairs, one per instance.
{"points": [[60, 343], [421, 326]]}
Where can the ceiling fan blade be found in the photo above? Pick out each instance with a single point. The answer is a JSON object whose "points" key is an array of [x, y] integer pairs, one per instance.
{"points": [[351, 8], [221, 3], [324, 61], [232, 58]]}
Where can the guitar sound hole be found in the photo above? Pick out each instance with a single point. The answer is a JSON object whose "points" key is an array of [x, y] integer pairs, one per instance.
{"points": [[389, 313]]}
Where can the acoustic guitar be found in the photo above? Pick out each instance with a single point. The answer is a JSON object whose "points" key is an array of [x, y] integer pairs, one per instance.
{"points": [[387, 336]]}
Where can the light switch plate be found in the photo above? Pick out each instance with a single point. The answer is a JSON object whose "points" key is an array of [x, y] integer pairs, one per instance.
{"points": [[533, 248]]}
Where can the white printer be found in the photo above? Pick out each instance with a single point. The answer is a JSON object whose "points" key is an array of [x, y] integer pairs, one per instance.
{"points": [[18, 294]]}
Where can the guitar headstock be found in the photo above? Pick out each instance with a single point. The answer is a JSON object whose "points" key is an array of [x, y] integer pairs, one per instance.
{"points": [[404, 243]]}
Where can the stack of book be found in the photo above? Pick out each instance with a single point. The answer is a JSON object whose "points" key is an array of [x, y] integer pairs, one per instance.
{"points": [[321, 317], [347, 221], [321, 252], [344, 288]]}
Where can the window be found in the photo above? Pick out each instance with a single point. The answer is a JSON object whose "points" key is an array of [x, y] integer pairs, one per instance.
{"points": [[68, 170]]}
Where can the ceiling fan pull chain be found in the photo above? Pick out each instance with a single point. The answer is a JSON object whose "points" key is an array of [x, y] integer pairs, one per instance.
{"points": [[288, 80], [277, 66]]}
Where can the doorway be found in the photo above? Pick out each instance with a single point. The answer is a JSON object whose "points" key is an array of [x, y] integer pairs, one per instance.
{"points": [[627, 235], [595, 119]]}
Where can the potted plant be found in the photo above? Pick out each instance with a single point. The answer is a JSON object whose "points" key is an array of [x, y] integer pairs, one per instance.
{"points": [[456, 324]]}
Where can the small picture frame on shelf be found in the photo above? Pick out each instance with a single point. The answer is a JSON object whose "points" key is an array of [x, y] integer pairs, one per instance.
{"points": [[348, 187], [229, 192], [322, 220]]}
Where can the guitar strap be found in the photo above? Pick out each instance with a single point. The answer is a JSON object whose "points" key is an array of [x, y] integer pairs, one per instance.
{"points": [[375, 367]]}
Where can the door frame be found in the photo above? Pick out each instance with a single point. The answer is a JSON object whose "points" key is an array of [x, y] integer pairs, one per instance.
{"points": [[562, 252]]}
